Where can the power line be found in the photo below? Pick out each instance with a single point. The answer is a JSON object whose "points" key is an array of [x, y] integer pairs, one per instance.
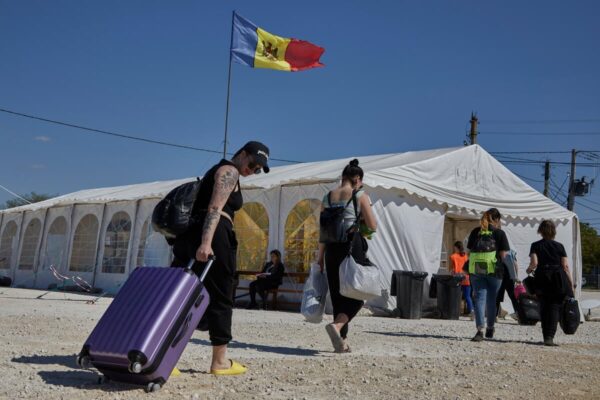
{"points": [[529, 179], [531, 162], [590, 201], [532, 152], [589, 208], [540, 133], [560, 197], [559, 188], [520, 159], [540, 121], [123, 136]]}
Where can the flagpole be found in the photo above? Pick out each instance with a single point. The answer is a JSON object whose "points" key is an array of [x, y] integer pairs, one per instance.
{"points": [[228, 88]]}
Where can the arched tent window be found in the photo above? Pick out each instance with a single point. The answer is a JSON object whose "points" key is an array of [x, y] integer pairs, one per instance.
{"points": [[302, 235], [153, 250], [116, 243], [7, 242], [252, 232], [56, 242], [83, 255], [30, 243]]}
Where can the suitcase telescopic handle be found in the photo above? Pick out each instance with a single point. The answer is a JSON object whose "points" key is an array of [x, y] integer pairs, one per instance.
{"points": [[206, 267]]}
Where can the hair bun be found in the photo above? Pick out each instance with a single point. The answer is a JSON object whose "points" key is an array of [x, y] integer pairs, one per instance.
{"points": [[354, 163]]}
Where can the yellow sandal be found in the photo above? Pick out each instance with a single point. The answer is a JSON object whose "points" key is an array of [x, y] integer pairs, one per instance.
{"points": [[235, 369]]}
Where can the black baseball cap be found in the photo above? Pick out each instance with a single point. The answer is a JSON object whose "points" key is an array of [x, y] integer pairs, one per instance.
{"points": [[260, 152]]}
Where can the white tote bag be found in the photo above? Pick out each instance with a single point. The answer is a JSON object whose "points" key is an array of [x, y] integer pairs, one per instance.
{"points": [[314, 295], [360, 282]]}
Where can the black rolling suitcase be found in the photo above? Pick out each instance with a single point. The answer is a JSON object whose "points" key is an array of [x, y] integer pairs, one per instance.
{"points": [[529, 309]]}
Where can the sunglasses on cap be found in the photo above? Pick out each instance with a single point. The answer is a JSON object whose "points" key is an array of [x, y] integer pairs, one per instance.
{"points": [[256, 167]]}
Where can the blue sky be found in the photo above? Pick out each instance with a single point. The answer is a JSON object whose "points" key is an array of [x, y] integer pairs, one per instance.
{"points": [[399, 76]]}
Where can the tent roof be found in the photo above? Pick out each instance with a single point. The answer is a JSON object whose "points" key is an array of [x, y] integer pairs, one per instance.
{"points": [[463, 178]]}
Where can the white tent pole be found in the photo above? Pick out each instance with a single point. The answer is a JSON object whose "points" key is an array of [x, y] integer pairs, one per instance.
{"points": [[71, 236], [37, 258], [280, 243], [15, 260], [132, 238], [98, 260]]}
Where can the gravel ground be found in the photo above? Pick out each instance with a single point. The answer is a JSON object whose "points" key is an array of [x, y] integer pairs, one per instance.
{"points": [[291, 359]]}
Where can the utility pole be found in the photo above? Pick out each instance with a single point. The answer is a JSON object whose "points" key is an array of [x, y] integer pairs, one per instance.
{"points": [[473, 134], [547, 178], [571, 197]]}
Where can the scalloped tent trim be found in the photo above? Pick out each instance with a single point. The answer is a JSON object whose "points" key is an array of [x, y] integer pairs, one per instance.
{"points": [[463, 178]]}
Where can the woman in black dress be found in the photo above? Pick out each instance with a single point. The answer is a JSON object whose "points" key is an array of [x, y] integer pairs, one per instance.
{"points": [[553, 279]]}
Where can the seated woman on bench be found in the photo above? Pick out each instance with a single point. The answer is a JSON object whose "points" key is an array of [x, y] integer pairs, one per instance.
{"points": [[270, 278]]}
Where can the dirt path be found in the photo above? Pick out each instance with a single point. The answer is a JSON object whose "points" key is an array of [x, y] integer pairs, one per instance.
{"points": [[291, 359]]}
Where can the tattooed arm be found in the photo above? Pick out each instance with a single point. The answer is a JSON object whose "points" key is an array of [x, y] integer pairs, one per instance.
{"points": [[226, 179]]}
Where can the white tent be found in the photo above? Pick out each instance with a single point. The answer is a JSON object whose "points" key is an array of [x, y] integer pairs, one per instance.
{"points": [[424, 201]]}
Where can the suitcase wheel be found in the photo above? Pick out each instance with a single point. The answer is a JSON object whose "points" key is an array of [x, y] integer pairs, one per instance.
{"points": [[135, 367], [83, 362], [152, 387]]}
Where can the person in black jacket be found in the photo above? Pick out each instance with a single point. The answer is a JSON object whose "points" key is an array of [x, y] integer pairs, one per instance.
{"points": [[553, 280], [270, 278]]}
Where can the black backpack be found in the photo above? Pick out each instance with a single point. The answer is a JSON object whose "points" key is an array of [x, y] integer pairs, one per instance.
{"points": [[485, 242], [331, 221], [569, 316], [172, 216]]}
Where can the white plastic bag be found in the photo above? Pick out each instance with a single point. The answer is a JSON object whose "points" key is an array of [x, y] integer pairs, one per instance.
{"points": [[360, 282], [314, 295]]}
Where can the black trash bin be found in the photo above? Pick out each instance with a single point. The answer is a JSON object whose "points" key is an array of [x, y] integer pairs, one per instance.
{"points": [[449, 295], [407, 286]]}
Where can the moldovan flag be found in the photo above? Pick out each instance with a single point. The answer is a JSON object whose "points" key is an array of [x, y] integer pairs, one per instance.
{"points": [[257, 48]]}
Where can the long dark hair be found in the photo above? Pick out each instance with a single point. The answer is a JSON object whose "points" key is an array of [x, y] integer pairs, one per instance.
{"points": [[276, 253], [351, 171]]}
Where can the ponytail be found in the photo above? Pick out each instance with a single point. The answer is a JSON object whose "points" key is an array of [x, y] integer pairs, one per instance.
{"points": [[485, 221]]}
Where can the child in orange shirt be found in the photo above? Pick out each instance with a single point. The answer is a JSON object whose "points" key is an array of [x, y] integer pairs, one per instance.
{"points": [[457, 261]]}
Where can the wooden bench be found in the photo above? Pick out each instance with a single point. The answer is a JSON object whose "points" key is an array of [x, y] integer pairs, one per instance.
{"points": [[300, 276]]}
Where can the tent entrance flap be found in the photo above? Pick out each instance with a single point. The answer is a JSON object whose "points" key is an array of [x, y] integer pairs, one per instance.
{"points": [[455, 229]]}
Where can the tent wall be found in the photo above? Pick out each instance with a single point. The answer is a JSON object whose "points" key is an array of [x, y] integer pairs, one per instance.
{"points": [[112, 265], [149, 248], [409, 237], [84, 240], [290, 197], [53, 250], [417, 196], [10, 243], [270, 199], [29, 247]]}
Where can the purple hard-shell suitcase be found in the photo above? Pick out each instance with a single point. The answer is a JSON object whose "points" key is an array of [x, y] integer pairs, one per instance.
{"points": [[142, 334]]}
